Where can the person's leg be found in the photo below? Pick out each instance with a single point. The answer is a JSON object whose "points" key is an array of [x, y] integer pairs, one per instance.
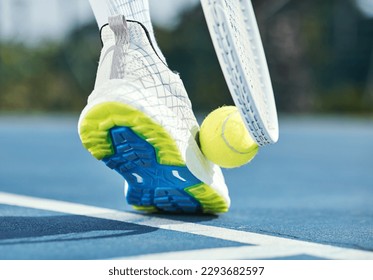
{"points": [[137, 10]]}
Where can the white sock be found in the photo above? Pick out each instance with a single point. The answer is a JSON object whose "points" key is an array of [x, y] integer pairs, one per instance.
{"points": [[137, 10]]}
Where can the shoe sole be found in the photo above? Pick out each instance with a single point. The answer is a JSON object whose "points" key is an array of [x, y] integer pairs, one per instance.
{"points": [[145, 154]]}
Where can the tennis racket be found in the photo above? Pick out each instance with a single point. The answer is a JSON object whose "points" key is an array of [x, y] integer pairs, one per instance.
{"points": [[237, 42]]}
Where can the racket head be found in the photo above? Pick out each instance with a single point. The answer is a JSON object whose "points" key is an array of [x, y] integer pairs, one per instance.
{"points": [[238, 45]]}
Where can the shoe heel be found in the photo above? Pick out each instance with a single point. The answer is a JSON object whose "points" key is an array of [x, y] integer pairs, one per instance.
{"points": [[144, 153]]}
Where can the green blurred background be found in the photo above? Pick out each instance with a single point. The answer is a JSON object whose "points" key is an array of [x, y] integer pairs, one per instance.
{"points": [[319, 52]]}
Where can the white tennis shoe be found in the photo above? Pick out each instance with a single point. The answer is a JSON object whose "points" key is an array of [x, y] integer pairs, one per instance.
{"points": [[139, 122]]}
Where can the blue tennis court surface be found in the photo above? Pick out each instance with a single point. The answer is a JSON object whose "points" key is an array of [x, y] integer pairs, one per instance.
{"points": [[308, 197]]}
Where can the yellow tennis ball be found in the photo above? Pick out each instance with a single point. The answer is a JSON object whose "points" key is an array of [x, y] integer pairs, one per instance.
{"points": [[225, 140]]}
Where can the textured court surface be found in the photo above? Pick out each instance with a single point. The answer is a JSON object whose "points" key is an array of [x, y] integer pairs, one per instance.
{"points": [[308, 197]]}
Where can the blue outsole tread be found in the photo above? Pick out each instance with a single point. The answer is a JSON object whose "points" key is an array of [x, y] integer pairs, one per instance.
{"points": [[150, 184]]}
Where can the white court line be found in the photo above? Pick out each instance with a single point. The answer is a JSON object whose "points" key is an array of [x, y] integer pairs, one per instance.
{"points": [[265, 246]]}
